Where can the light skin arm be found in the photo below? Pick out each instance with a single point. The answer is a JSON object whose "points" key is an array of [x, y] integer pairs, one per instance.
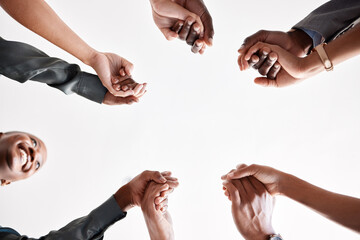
{"points": [[339, 208], [339, 50], [40, 18], [157, 218]]}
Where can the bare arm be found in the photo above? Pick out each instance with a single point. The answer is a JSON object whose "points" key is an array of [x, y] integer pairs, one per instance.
{"points": [[40, 18], [339, 208]]}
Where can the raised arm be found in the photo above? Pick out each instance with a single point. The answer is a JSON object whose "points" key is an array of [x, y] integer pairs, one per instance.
{"points": [[339, 208], [40, 18]]}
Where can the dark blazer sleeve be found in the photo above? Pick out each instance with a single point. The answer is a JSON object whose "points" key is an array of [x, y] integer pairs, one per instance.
{"points": [[90, 227], [331, 18], [22, 62]]}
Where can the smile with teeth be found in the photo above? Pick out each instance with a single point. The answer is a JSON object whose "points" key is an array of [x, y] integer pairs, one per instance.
{"points": [[23, 157]]}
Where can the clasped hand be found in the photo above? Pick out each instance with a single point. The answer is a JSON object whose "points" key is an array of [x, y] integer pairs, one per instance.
{"points": [[188, 20]]}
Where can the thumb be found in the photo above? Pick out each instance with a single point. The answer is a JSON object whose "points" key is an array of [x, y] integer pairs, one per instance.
{"points": [[243, 172], [260, 36], [169, 35], [265, 82], [209, 28], [234, 193], [155, 176], [170, 9]]}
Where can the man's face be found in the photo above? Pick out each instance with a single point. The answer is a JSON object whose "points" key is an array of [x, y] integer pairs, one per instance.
{"points": [[21, 155]]}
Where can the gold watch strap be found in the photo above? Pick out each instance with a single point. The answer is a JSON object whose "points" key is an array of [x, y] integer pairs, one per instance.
{"points": [[324, 57]]}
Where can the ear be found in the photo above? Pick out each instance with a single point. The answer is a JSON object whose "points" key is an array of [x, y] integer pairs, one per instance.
{"points": [[4, 182]]}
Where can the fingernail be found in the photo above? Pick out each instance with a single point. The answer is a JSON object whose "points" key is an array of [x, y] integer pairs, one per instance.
{"points": [[211, 40], [196, 28]]}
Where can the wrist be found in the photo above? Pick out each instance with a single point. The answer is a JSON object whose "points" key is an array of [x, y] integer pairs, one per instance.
{"points": [[90, 57], [123, 198], [311, 64], [302, 40], [260, 236], [289, 185]]}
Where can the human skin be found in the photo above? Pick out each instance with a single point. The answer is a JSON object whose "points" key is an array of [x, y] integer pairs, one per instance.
{"points": [[339, 208], [252, 207], [295, 41], [110, 99], [132, 193], [21, 155], [157, 218], [196, 22], [295, 69], [38, 16]]}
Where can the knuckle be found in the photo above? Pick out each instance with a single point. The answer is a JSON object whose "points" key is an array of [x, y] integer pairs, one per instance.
{"points": [[261, 32]]}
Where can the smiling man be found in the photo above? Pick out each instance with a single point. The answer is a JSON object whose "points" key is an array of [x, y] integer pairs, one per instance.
{"points": [[21, 155]]}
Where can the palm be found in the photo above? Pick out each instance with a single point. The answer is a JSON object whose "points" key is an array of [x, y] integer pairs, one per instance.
{"points": [[107, 67]]}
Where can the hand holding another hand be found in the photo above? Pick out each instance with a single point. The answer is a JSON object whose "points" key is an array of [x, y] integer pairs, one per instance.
{"points": [[132, 193], [265, 59], [188, 20], [252, 207], [115, 74], [154, 207]]}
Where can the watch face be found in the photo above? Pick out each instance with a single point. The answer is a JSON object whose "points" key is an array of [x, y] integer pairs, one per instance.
{"points": [[327, 63]]}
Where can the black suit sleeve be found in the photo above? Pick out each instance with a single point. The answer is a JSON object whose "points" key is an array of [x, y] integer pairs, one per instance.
{"points": [[331, 18], [22, 62], [90, 227]]}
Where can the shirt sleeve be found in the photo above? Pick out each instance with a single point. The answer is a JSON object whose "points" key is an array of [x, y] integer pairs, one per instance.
{"points": [[329, 19], [22, 62], [90, 227]]}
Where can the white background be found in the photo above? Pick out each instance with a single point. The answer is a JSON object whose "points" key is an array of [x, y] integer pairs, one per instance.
{"points": [[200, 117]]}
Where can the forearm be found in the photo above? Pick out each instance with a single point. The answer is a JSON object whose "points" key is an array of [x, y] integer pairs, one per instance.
{"points": [[339, 50], [344, 47], [339, 208], [90, 227], [38, 16], [331, 18], [23, 62]]}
